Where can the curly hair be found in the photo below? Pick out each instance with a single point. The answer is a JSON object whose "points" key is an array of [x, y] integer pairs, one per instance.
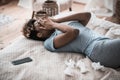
{"points": [[30, 32]]}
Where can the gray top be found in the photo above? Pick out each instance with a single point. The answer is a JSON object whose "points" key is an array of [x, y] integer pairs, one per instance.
{"points": [[84, 43]]}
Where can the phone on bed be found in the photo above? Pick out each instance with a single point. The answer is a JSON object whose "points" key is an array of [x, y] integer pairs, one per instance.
{"points": [[21, 61]]}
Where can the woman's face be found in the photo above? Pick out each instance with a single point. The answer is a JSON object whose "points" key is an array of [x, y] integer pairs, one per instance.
{"points": [[42, 31]]}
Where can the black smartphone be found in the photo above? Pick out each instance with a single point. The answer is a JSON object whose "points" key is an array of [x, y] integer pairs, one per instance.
{"points": [[21, 61]]}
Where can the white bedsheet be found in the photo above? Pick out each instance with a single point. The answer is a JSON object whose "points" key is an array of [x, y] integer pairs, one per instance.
{"points": [[46, 65]]}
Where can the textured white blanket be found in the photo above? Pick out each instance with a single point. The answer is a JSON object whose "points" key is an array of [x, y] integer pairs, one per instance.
{"points": [[47, 65]]}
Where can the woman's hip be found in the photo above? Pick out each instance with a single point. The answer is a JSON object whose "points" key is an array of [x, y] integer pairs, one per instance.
{"points": [[107, 52]]}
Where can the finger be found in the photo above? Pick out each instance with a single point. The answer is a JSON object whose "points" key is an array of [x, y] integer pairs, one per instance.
{"points": [[41, 21], [42, 28], [44, 17]]}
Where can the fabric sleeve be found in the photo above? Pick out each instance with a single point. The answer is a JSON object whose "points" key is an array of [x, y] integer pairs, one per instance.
{"points": [[48, 44]]}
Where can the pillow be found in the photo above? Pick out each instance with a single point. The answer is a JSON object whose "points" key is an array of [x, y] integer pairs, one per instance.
{"points": [[107, 28], [97, 24], [114, 32]]}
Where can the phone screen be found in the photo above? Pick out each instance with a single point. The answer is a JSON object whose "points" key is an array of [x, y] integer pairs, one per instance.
{"points": [[21, 61]]}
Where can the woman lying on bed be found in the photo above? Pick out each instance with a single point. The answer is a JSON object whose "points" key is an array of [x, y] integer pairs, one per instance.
{"points": [[74, 37]]}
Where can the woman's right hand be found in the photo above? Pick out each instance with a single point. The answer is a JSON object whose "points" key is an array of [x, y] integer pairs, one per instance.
{"points": [[47, 23]]}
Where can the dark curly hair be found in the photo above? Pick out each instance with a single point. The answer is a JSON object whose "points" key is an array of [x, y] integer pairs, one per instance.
{"points": [[30, 32]]}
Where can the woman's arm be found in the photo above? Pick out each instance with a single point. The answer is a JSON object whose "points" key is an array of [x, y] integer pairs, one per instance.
{"points": [[68, 35], [83, 18]]}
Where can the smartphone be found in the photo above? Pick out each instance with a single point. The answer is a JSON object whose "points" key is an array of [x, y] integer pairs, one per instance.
{"points": [[21, 61]]}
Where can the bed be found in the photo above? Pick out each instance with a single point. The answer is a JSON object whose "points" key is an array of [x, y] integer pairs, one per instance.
{"points": [[48, 65]]}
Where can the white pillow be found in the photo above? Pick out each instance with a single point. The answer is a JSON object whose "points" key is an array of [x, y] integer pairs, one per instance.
{"points": [[114, 32]]}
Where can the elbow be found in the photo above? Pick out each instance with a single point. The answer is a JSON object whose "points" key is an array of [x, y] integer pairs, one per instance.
{"points": [[88, 15], [72, 34], [75, 33], [86, 18]]}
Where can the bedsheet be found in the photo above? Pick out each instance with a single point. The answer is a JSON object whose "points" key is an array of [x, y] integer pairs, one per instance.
{"points": [[48, 65]]}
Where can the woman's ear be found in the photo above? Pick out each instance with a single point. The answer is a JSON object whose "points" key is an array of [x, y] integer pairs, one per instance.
{"points": [[39, 35]]}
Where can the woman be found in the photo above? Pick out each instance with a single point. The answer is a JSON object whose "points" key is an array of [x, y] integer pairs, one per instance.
{"points": [[74, 37]]}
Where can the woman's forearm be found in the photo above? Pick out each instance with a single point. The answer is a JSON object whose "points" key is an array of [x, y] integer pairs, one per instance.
{"points": [[62, 27], [83, 18], [68, 35]]}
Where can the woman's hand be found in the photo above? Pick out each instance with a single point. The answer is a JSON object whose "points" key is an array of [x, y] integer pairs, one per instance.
{"points": [[53, 19], [47, 23]]}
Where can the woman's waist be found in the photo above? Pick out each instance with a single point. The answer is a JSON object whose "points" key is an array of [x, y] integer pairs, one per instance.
{"points": [[92, 45]]}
